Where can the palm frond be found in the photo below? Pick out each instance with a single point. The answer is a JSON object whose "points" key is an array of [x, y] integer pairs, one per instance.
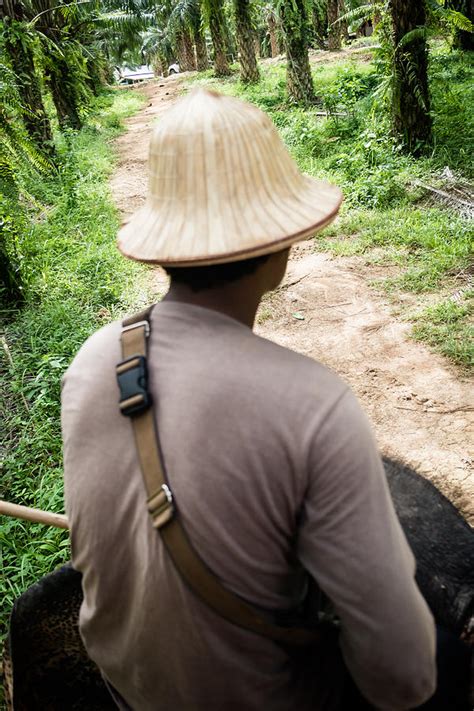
{"points": [[418, 34], [360, 14], [458, 20], [412, 75]]}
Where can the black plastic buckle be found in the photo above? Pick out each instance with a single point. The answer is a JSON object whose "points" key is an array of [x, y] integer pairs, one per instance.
{"points": [[132, 377]]}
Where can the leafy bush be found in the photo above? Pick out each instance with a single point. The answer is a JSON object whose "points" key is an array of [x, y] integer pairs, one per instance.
{"points": [[74, 281]]}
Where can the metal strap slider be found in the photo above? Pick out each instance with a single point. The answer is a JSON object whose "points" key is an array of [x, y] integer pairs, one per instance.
{"points": [[138, 324], [161, 506]]}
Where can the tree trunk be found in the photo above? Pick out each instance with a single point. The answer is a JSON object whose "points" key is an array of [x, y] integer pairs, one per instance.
{"points": [[188, 51], [164, 63], [180, 53], [95, 75], [272, 31], [299, 81], [410, 95], [320, 25], [257, 45], [20, 54], [65, 99], [35, 117], [334, 30], [249, 73], [216, 28], [157, 65], [341, 10], [202, 61]]}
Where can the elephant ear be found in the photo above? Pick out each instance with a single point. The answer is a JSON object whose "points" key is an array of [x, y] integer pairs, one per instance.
{"points": [[48, 663]]}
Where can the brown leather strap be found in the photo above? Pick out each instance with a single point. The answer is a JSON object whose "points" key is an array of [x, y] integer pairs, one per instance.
{"points": [[198, 576]]}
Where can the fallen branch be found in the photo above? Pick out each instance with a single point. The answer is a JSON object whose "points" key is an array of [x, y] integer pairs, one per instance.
{"points": [[34, 515], [465, 204]]}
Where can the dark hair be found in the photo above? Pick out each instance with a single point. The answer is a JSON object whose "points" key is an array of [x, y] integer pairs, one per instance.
{"points": [[200, 278]]}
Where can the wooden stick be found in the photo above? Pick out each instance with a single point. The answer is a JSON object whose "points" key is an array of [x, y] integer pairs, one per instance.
{"points": [[34, 515]]}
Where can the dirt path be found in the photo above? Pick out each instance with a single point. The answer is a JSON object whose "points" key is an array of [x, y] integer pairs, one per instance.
{"points": [[421, 408]]}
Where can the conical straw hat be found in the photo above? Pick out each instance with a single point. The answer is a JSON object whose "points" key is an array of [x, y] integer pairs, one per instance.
{"points": [[222, 187]]}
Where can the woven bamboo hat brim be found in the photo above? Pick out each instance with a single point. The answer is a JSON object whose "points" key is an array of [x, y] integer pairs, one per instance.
{"points": [[222, 187]]}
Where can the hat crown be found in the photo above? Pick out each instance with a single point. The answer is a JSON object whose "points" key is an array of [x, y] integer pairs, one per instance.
{"points": [[232, 148], [222, 187]]}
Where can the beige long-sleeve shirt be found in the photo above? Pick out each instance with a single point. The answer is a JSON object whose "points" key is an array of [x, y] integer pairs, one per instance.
{"points": [[274, 469]]}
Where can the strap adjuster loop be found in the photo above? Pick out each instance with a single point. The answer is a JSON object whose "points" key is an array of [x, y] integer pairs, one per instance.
{"points": [[161, 506]]}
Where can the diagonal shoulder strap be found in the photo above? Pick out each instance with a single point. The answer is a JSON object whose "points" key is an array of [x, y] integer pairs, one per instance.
{"points": [[135, 402]]}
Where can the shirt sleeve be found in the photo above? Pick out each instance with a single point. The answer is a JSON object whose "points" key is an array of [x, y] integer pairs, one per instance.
{"points": [[351, 542]]}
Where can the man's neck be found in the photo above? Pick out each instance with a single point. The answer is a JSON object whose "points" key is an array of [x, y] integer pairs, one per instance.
{"points": [[236, 300]]}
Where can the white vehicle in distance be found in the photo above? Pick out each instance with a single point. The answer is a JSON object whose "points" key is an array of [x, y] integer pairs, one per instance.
{"points": [[133, 76]]}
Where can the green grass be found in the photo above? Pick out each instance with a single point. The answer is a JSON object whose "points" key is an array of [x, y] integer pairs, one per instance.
{"points": [[449, 328], [74, 280], [385, 211]]}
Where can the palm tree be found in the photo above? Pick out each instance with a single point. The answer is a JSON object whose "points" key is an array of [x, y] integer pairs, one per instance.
{"points": [[16, 150], [215, 17], [157, 48], [334, 27], [67, 89], [410, 96], [249, 73], [202, 60], [341, 12], [272, 25], [319, 16], [294, 24], [19, 44], [180, 27]]}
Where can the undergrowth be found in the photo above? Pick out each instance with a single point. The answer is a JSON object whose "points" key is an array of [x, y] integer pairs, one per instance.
{"points": [[385, 208], [74, 280]]}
